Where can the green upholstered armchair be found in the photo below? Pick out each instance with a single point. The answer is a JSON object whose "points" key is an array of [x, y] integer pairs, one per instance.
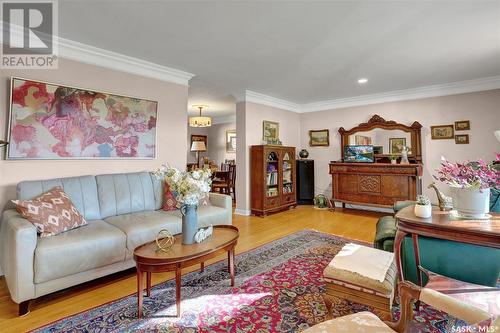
{"points": [[386, 228]]}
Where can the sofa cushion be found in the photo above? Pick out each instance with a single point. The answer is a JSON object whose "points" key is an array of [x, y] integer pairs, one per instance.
{"points": [[94, 245], [125, 193], [52, 212], [81, 190], [169, 201], [142, 227], [207, 215]]}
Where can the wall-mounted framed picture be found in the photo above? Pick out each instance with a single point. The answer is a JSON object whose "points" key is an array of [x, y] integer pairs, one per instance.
{"points": [[462, 139], [462, 125], [396, 145], [231, 141], [362, 140], [196, 137], [53, 121], [270, 131], [442, 132], [319, 138]]}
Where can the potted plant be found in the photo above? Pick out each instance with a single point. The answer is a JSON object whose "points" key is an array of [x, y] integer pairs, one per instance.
{"points": [[470, 184], [188, 187], [393, 158], [423, 207]]}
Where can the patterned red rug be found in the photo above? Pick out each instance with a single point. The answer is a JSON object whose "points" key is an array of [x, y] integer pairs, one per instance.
{"points": [[279, 288]]}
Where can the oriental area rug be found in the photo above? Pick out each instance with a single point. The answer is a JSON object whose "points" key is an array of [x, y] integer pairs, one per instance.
{"points": [[279, 288]]}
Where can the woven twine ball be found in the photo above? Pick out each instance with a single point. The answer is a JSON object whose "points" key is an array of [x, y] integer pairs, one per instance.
{"points": [[164, 240]]}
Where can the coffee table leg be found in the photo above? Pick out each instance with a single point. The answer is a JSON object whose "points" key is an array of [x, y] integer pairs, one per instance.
{"points": [[139, 293], [148, 284], [178, 289], [230, 262], [202, 266]]}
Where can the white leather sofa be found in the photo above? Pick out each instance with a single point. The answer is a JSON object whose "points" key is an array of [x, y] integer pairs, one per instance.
{"points": [[122, 210]]}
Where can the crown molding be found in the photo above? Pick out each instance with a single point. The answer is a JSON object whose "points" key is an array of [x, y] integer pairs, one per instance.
{"points": [[80, 52], [255, 97], [223, 120], [72, 50], [454, 88]]}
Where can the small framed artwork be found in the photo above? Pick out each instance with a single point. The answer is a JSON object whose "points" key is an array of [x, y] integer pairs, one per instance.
{"points": [[462, 139], [231, 141], [362, 140], [378, 150], [196, 137], [270, 131], [442, 132], [462, 125], [396, 145], [319, 138]]}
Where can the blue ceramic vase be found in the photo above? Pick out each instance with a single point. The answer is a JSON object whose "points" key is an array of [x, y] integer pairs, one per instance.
{"points": [[189, 223]]}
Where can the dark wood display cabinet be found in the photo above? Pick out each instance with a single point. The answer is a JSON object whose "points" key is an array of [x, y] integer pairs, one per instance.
{"points": [[272, 179]]}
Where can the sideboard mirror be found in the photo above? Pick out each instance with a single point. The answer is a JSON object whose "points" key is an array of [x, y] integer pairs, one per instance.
{"points": [[387, 138]]}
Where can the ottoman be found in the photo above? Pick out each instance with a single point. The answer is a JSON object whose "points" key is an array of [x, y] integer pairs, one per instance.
{"points": [[362, 275]]}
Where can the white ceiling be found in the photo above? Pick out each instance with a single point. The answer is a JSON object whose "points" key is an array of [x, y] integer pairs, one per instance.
{"points": [[300, 51]]}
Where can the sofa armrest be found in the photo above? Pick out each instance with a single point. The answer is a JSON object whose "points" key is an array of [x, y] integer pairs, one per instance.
{"points": [[18, 240], [223, 201]]}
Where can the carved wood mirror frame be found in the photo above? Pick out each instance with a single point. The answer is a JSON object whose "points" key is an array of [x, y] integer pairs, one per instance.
{"points": [[378, 122]]}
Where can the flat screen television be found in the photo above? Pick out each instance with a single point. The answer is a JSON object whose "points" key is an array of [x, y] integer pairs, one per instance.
{"points": [[362, 154]]}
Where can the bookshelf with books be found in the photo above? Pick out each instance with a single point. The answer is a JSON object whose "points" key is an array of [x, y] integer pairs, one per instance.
{"points": [[272, 179]]}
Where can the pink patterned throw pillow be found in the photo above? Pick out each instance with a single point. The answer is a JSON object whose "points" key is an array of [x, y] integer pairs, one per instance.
{"points": [[51, 212], [169, 201]]}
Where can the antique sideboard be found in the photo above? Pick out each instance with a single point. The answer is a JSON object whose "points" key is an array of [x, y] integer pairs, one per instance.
{"points": [[380, 183], [374, 184]]}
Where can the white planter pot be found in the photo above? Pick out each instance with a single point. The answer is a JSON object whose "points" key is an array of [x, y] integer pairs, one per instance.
{"points": [[471, 203], [423, 211], [394, 161]]}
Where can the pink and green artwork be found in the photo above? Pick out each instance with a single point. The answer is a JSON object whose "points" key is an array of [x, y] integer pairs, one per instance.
{"points": [[50, 121]]}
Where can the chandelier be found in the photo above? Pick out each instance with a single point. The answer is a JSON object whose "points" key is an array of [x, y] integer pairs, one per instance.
{"points": [[199, 121]]}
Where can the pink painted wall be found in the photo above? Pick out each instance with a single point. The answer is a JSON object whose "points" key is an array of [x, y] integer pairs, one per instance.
{"points": [[172, 119], [481, 108], [254, 114]]}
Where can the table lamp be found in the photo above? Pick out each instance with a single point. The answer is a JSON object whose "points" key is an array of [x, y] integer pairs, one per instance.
{"points": [[198, 146]]}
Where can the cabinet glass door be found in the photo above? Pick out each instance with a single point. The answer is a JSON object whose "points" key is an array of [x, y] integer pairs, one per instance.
{"points": [[272, 164], [287, 167]]}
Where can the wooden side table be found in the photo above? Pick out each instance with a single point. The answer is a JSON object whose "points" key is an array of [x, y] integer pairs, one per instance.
{"points": [[151, 260]]}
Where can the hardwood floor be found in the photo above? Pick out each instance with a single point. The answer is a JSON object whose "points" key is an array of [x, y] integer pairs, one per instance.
{"points": [[254, 231]]}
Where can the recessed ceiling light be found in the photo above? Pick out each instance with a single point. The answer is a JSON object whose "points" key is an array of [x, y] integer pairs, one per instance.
{"points": [[362, 80]]}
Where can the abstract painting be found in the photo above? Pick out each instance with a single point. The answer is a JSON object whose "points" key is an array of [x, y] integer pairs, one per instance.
{"points": [[52, 121]]}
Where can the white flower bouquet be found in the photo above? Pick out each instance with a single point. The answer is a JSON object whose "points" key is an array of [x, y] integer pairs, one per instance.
{"points": [[188, 187]]}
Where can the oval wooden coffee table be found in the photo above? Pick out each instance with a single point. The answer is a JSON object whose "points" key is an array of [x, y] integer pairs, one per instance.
{"points": [[150, 259]]}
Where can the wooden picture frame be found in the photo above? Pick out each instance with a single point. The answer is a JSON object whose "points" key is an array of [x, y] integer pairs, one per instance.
{"points": [[231, 141], [462, 125], [270, 131], [378, 150], [319, 138], [396, 145], [442, 132], [462, 139], [197, 137]]}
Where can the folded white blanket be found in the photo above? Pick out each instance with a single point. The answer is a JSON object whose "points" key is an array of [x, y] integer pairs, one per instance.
{"points": [[366, 261]]}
